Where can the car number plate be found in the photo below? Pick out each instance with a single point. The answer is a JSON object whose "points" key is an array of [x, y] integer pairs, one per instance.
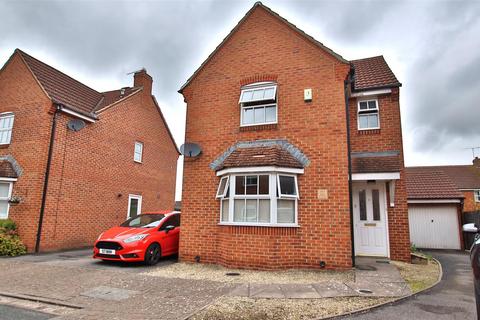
{"points": [[107, 251]]}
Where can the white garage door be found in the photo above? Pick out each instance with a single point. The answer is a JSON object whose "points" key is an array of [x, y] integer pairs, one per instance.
{"points": [[434, 227]]}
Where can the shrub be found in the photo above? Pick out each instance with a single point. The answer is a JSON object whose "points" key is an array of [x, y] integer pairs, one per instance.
{"points": [[11, 245], [7, 225]]}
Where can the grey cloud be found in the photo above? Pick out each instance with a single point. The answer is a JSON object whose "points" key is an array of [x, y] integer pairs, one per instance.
{"points": [[432, 45]]}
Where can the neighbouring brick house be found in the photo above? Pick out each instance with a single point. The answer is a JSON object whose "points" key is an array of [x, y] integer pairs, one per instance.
{"points": [[99, 156], [271, 187]]}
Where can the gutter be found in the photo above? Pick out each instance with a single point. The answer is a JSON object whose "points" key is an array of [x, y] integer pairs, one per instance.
{"points": [[47, 174], [347, 82]]}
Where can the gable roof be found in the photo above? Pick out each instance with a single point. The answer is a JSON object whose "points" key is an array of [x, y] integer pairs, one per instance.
{"points": [[430, 183], [258, 4], [63, 89], [373, 73]]}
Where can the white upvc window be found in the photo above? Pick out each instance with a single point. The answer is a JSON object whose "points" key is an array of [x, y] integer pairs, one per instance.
{"points": [[257, 199], [134, 205], [5, 195], [6, 127], [476, 195], [138, 152], [368, 114], [258, 104]]}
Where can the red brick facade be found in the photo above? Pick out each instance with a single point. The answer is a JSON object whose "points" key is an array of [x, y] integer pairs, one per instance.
{"points": [[92, 170], [469, 202], [263, 47]]}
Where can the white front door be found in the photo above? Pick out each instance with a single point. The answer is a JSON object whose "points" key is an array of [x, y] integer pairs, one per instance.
{"points": [[370, 223]]}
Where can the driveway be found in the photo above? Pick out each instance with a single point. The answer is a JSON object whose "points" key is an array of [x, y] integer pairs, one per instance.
{"points": [[83, 259], [452, 298], [73, 279]]}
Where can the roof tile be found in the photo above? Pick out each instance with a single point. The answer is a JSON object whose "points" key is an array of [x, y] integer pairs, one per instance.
{"points": [[374, 72], [7, 170], [430, 183], [261, 156]]}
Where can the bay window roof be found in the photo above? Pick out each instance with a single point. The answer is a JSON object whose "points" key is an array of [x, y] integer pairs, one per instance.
{"points": [[261, 153]]}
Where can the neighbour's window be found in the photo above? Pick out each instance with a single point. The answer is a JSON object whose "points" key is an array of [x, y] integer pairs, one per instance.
{"points": [[138, 152], [368, 115], [6, 126], [476, 194], [265, 199], [134, 205], [5, 194], [258, 103]]}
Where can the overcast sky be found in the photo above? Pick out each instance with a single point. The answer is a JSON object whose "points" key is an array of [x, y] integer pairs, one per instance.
{"points": [[433, 48]]}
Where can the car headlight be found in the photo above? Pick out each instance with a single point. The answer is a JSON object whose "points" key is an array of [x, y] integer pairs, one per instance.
{"points": [[138, 237]]}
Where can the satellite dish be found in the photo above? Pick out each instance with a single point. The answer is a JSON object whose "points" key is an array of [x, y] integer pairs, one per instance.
{"points": [[190, 149], [76, 125]]}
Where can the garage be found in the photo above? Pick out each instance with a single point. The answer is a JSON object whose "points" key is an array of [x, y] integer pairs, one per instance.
{"points": [[434, 226], [434, 204]]}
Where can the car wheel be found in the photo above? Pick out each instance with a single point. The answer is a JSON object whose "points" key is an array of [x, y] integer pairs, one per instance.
{"points": [[153, 254]]}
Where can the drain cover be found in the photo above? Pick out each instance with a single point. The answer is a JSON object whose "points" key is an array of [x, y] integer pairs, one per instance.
{"points": [[383, 261], [109, 293], [366, 291], [232, 274]]}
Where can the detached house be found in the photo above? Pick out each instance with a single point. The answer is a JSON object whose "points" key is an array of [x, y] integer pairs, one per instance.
{"points": [[75, 161], [302, 157]]}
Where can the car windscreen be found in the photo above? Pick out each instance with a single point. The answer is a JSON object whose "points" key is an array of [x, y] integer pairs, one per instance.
{"points": [[144, 221]]}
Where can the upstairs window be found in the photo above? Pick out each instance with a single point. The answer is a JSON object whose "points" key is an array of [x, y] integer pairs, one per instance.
{"points": [[6, 126], [138, 152], [368, 115], [258, 103], [476, 194]]}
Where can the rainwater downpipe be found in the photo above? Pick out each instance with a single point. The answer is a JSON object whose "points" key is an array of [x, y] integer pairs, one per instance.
{"points": [[45, 181], [347, 83]]}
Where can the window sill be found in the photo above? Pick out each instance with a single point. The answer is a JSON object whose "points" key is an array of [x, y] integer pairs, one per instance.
{"points": [[271, 126], [4, 145], [271, 225], [139, 162], [368, 131]]}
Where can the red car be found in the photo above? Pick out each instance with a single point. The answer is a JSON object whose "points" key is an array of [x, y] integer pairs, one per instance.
{"points": [[146, 237]]}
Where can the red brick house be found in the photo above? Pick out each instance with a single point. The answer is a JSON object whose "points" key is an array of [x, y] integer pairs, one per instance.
{"points": [[302, 156], [75, 161]]}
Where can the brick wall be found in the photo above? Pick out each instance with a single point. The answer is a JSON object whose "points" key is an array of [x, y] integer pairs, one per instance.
{"points": [[20, 94], [469, 202], [92, 170], [264, 48], [387, 138]]}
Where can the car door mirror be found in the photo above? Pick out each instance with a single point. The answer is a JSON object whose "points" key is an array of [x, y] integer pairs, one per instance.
{"points": [[470, 227], [169, 228]]}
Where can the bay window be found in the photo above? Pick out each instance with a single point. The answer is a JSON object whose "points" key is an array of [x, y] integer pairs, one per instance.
{"points": [[258, 199]]}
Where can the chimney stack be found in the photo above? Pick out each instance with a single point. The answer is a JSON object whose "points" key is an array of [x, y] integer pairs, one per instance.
{"points": [[476, 162], [142, 79]]}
